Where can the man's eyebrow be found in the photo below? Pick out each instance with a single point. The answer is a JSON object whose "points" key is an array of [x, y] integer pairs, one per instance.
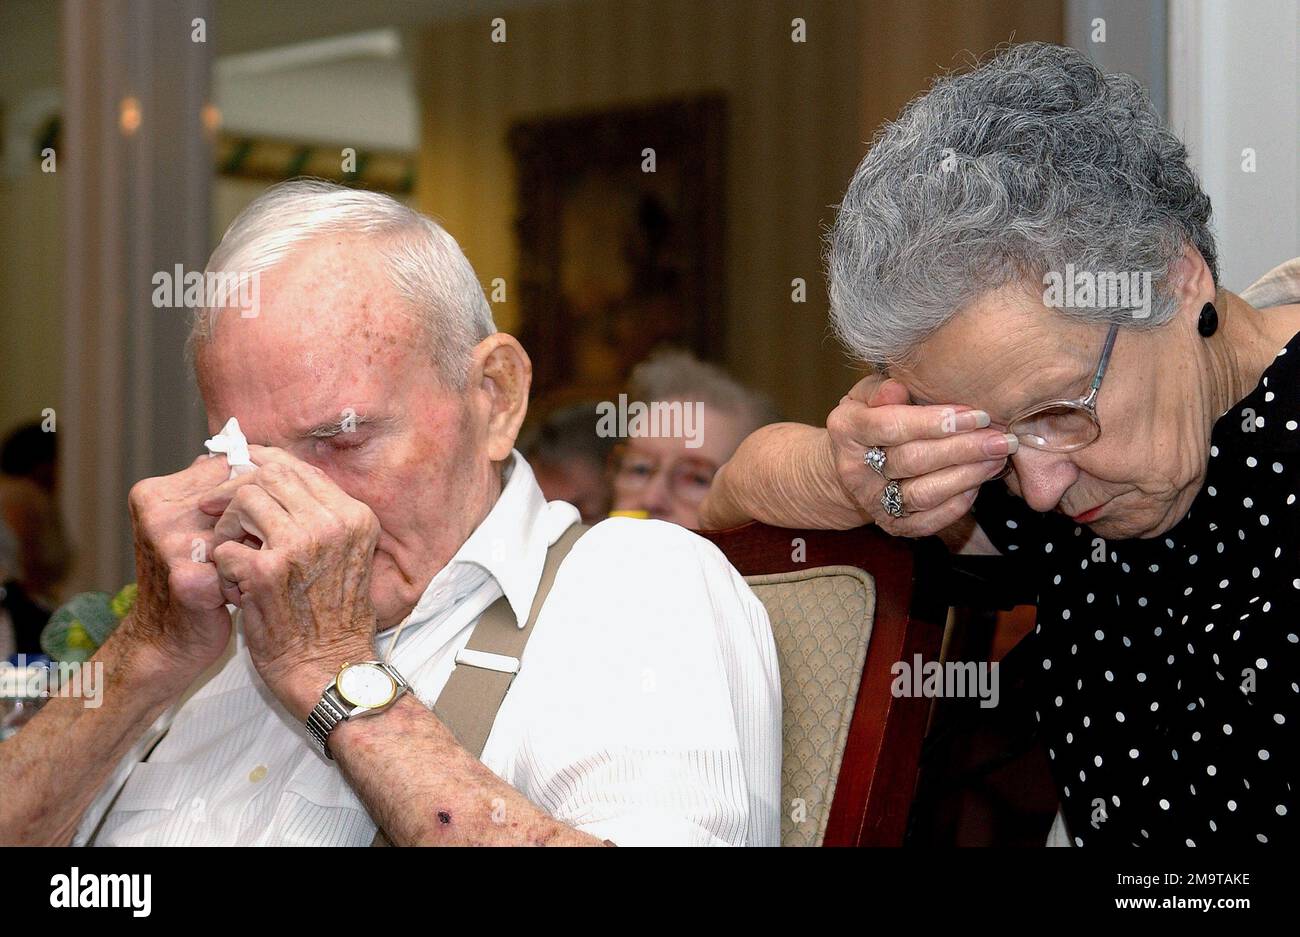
{"points": [[344, 424]]}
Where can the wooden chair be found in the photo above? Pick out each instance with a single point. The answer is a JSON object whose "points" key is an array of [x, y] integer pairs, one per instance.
{"points": [[845, 606]]}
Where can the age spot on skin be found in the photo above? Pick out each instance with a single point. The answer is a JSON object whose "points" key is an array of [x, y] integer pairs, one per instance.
{"points": [[444, 817]]}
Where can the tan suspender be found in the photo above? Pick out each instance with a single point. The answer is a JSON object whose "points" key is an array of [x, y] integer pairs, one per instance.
{"points": [[469, 703]]}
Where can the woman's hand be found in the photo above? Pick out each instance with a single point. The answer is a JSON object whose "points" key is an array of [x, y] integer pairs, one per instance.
{"points": [[939, 455], [791, 475]]}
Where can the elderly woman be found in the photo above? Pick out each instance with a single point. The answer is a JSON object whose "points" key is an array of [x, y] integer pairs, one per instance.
{"points": [[1147, 443]]}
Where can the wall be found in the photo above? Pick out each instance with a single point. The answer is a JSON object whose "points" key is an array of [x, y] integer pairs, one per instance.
{"points": [[1135, 39], [31, 353], [799, 114], [31, 327], [1235, 85]]}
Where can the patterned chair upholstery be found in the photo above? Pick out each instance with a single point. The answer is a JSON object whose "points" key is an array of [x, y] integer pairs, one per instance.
{"points": [[821, 620], [844, 606]]}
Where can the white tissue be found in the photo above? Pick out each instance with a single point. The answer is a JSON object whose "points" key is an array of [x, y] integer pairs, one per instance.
{"points": [[231, 441]]}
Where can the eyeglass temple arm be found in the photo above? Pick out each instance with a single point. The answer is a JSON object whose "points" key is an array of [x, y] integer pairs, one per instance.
{"points": [[1102, 364]]}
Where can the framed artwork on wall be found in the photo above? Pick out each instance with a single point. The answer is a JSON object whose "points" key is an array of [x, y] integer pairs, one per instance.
{"points": [[620, 232]]}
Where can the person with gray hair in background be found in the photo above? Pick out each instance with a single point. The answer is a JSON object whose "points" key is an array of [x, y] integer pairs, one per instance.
{"points": [[389, 553], [571, 459], [1026, 260], [667, 474]]}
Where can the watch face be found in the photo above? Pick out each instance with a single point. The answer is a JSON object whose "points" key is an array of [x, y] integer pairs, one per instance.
{"points": [[366, 685]]}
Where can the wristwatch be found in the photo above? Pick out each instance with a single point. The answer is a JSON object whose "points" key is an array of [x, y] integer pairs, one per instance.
{"points": [[360, 689]]}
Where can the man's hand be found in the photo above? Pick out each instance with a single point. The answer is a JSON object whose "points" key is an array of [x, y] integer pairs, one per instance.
{"points": [[179, 624], [294, 552]]}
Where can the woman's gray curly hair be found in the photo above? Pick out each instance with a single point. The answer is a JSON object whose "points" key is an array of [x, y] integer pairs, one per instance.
{"points": [[1031, 161]]}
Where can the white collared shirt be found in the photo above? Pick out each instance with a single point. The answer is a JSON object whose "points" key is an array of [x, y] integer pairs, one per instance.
{"points": [[647, 709]]}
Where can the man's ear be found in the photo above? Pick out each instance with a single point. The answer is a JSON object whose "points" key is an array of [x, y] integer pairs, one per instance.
{"points": [[500, 377]]}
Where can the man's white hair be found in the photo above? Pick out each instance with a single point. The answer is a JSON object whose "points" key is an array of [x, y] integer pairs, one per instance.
{"points": [[424, 262]]}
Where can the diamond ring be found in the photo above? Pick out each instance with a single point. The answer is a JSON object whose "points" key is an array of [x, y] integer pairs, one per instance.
{"points": [[875, 457]]}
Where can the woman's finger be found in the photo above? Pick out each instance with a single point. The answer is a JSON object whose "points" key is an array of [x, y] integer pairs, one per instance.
{"points": [[854, 424], [933, 489], [920, 457], [887, 393], [867, 388], [928, 523]]}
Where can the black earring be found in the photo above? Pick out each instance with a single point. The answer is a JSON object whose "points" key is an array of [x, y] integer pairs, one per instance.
{"points": [[1208, 324]]}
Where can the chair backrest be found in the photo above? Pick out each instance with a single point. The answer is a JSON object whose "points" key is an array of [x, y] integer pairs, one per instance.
{"points": [[844, 606], [821, 621]]}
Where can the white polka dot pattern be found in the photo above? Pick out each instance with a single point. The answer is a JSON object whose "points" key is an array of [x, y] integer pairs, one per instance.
{"points": [[1168, 669]]}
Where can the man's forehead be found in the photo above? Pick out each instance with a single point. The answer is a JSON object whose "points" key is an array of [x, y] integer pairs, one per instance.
{"points": [[301, 370], [320, 321], [344, 271]]}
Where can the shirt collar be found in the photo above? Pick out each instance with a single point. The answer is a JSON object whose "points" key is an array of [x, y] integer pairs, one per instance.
{"points": [[509, 546]]}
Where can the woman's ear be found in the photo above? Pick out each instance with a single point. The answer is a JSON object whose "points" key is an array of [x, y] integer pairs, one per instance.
{"points": [[1190, 280], [500, 376]]}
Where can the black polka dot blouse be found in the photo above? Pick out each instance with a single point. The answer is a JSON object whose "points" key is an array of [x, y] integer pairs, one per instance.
{"points": [[1165, 677]]}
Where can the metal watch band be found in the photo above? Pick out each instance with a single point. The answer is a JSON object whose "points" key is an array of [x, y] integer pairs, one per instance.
{"points": [[333, 708], [328, 713]]}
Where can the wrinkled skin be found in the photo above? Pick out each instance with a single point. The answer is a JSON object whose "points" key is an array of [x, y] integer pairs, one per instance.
{"points": [[942, 419], [355, 523]]}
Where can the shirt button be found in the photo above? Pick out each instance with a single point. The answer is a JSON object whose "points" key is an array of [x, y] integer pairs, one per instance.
{"points": [[257, 773]]}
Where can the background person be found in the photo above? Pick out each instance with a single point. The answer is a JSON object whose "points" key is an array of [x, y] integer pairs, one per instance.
{"points": [[29, 483], [571, 460], [664, 475]]}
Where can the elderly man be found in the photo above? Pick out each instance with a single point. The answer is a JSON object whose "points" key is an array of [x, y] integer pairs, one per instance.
{"points": [[387, 511]]}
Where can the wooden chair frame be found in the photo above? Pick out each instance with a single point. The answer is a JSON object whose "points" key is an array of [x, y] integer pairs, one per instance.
{"points": [[878, 774]]}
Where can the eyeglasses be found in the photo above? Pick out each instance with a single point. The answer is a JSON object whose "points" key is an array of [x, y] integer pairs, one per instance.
{"points": [[1065, 425], [688, 478]]}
